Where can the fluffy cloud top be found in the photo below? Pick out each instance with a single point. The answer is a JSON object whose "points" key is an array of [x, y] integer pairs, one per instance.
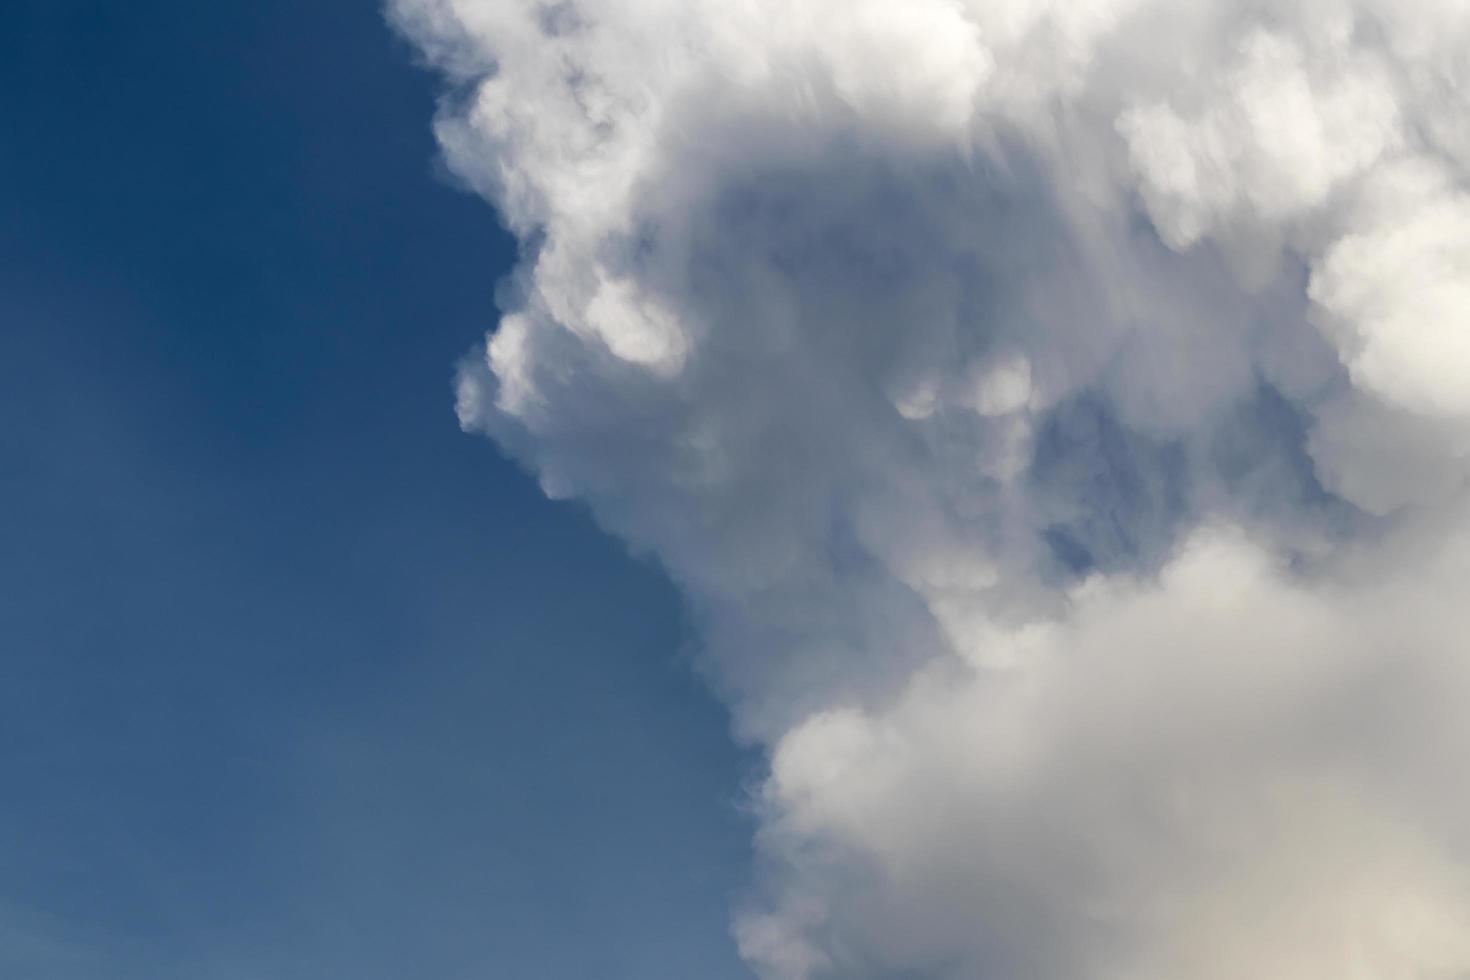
{"points": [[1057, 416]]}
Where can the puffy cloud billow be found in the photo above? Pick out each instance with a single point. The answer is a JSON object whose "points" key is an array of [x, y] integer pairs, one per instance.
{"points": [[1057, 416]]}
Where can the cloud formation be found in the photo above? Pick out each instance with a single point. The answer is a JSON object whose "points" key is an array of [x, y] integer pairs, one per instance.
{"points": [[1058, 418]]}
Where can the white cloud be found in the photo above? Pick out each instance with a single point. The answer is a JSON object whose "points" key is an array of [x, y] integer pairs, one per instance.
{"points": [[1058, 417], [1224, 772]]}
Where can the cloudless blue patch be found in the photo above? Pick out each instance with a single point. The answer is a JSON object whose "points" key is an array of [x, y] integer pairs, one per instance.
{"points": [[296, 680]]}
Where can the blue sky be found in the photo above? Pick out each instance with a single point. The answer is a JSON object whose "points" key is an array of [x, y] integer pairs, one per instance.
{"points": [[298, 679], [1043, 424]]}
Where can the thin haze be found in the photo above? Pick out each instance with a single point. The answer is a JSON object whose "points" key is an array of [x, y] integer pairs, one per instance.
{"points": [[1057, 416]]}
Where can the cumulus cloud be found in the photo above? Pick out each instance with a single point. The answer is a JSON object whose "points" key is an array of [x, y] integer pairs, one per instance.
{"points": [[1057, 416]]}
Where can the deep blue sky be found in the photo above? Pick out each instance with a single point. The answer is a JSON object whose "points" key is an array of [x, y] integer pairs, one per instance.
{"points": [[297, 680]]}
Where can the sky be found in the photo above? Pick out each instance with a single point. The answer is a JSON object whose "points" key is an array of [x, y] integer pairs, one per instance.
{"points": [[300, 681], [793, 489]]}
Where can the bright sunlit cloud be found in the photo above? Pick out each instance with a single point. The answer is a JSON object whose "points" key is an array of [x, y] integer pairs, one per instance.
{"points": [[1057, 416]]}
